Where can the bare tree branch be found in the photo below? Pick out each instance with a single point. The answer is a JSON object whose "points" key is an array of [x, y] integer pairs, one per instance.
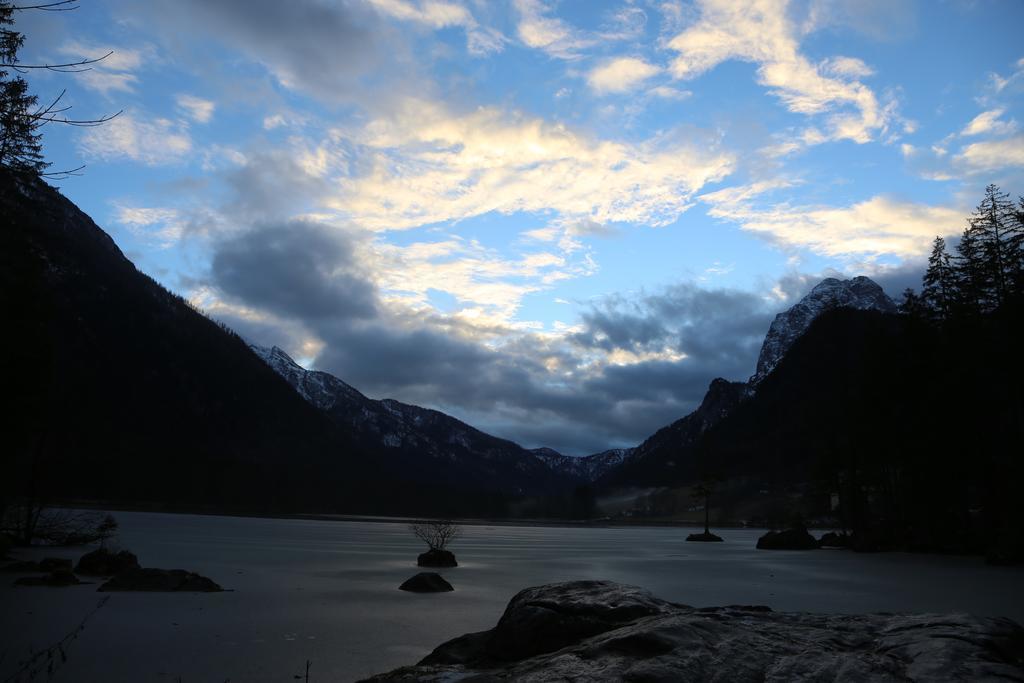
{"points": [[56, 6], [435, 533], [66, 68]]}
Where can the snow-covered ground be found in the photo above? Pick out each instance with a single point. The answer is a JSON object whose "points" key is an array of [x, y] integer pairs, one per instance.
{"points": [[326, 591]]}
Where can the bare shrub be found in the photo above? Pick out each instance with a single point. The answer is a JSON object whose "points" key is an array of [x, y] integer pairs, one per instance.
{"points": [[435, 533]]}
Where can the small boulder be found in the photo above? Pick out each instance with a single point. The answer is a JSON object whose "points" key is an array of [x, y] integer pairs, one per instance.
{"points": [[160, 580], [102, 562], [834, 540], [437, 558], [790, 539], [50, 564], [704, 537], [426, 582], [58, 577]]}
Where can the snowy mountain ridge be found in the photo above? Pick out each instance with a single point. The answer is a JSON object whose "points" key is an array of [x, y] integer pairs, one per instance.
{"points": [[429, 435], [860, 292]]}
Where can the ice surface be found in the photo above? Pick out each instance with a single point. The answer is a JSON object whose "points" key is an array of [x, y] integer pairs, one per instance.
{"points": [[327, 591]]}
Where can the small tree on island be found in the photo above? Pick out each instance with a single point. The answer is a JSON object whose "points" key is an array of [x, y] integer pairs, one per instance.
{"points": [[704, 490], [437, 534]]}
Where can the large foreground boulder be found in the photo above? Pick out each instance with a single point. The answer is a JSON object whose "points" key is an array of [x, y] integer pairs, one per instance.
{"points": [[426, 582], [160, 580], [790, 539], [437, 558], [102, 562], [599, 630]]}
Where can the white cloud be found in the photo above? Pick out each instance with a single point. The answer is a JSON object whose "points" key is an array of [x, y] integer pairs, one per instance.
{"points": [[165, 224], [426, 164], [762, 33], [879, 226], [989, 123], [620, 75], [550, 34], [196, 108], [114, 71], [480, 40], [668, 93], [152, 142], [1000, 83], [992, 155], [487, 286]]}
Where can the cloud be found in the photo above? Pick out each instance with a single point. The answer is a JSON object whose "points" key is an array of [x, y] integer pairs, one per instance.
{"points": [[621, 74], [1016, 77], [763, 33], [426, 164], [552, 35], [295, 269], [629, 367], [165, 224], [153, 142], [112, 73], [196, 108], [879, 226], [668, 93], [991, 155], [989, 123], [323, 49], [437, 15]]}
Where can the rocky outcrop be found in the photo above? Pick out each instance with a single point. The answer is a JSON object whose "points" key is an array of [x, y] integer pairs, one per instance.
{"points": [[437, 558], [160, 580], [834, 540], [860, 292], [426, 582], [102, 562], [789, 539], [599, 630]]}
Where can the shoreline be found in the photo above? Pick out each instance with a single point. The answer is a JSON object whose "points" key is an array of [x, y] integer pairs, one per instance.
{"points": [[600, 523]]}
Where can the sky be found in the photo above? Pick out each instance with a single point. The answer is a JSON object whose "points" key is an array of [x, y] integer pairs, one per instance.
{"points": [[557, 221]]}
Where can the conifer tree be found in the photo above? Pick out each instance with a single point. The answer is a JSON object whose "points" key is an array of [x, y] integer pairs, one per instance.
{"points": [[969, 273], [939, 286], [992, 225], [913, 305], [21, 115], [20, 141]]}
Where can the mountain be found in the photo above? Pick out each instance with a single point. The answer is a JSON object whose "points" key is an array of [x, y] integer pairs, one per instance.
{"points": [[123, 392], [663, 455], [860, 293], [587, 469], [429, 445], [666, 455]]}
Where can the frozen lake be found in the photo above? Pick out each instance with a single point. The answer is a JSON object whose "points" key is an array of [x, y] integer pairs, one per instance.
{"points": [[326, 591]]}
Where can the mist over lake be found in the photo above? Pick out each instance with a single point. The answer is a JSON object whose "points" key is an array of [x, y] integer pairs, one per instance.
{"points": [[327, 591]]}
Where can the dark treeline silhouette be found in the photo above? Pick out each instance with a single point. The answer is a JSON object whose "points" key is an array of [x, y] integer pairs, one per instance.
{"points": [[907, 428]]}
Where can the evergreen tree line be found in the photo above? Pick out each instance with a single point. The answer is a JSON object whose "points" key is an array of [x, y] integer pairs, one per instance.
{"points": [[986, 270]]}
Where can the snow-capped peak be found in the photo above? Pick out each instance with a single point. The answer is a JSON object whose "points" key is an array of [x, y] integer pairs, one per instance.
{"points": [[860, 292]]}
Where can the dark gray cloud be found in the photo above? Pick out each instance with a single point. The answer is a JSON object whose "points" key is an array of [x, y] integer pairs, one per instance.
{"points": [[329, 49], [295, 270]]}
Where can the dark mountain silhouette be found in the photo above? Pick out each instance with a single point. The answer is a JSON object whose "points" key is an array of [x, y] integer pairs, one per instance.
{"points": [[666, 456], [426, 444], [123, 392]]}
